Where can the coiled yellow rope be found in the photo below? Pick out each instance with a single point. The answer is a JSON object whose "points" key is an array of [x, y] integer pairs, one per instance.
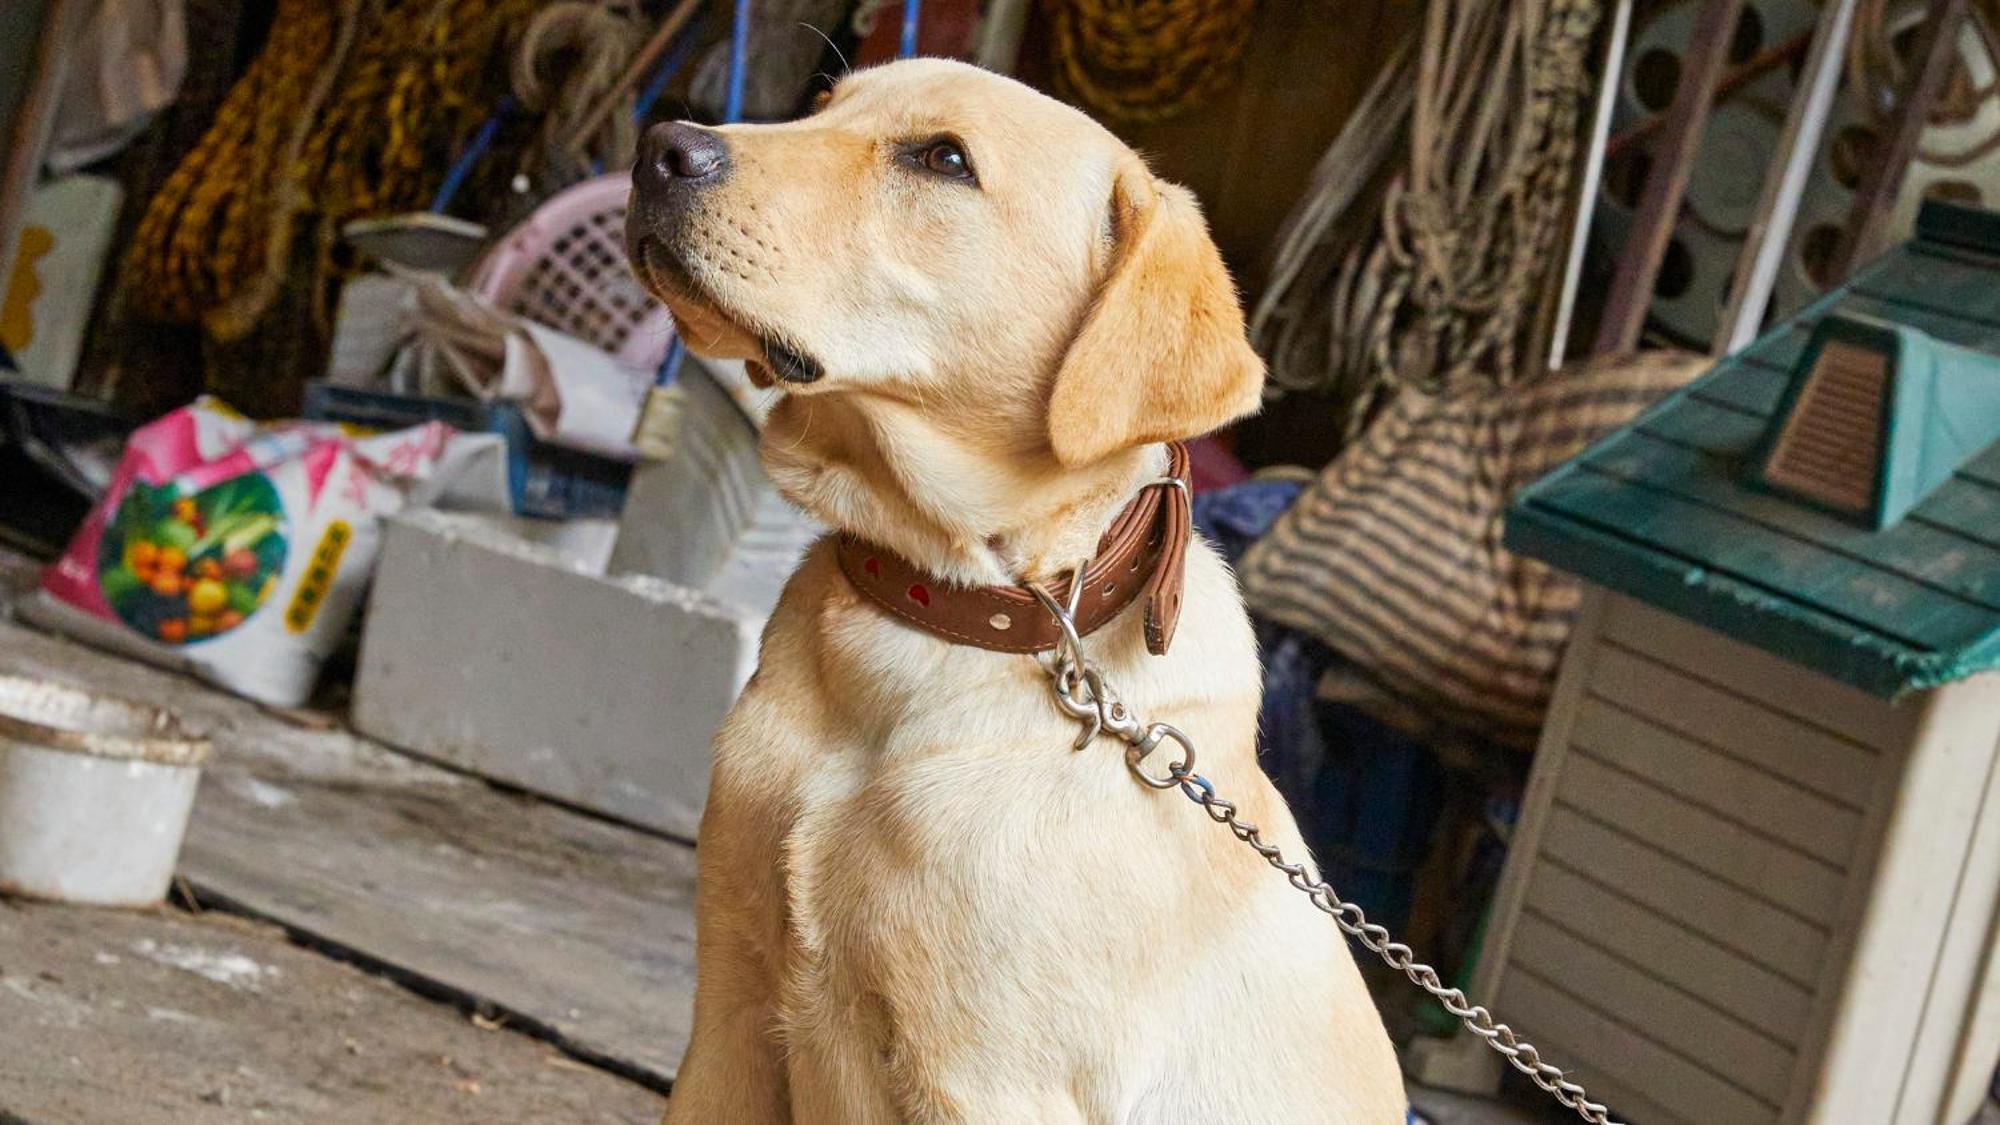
{"points": [[192, 249], [351, 109], [1147, 60]]}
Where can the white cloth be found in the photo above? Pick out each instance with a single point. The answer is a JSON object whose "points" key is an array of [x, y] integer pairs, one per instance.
{"points": [[128, 66]]}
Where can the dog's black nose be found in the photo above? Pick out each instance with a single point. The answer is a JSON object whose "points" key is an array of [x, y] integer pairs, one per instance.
{"points": [[679, 154]]}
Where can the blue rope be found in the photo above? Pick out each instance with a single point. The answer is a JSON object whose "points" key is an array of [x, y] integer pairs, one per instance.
{"points": [[670, 364], [1195, 787], [739, 44], [461, 168], [683, 46], [911, 10]]}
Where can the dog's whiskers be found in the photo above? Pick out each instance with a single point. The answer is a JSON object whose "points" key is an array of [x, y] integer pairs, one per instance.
{"points": [[799, 439], [846, 68]]}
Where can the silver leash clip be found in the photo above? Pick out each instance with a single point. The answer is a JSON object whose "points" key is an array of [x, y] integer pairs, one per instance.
{"points": [[1078, 687], [1083, 694]]}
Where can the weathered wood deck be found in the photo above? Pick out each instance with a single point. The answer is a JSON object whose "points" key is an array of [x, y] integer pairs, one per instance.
{"points": [[571, 927]]}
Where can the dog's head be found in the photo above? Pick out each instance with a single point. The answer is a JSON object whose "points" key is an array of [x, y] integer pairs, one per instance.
{"points": [[950, 264]]}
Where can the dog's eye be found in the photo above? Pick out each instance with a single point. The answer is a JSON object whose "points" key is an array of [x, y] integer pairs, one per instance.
{"points": [[943, 158], [946, 159]]}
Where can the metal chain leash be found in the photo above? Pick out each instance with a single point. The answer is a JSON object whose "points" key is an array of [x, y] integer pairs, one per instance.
{"points": [[1083, 694]]}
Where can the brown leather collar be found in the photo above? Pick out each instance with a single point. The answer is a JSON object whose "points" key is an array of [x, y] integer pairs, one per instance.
{"points": [[1145, 551]]}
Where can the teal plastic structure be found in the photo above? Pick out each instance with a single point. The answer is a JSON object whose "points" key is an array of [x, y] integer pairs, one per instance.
{"points": [[1831, 493], [1877, 417]]}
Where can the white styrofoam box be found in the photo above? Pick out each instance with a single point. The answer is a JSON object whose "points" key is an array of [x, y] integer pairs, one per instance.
{"points": [[518, 661], [585, 541], [708, 517]]}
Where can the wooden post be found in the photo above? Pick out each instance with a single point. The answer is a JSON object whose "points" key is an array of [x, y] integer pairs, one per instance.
{"points": [[1882, 180], [1734, 79], [1798, 146], [998, 46], [1666, 182], [21, 157], [1593, 172], [618, 97]]}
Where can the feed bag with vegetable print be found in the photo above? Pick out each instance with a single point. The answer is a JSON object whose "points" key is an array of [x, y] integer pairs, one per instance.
{"points": [[235, 550]]}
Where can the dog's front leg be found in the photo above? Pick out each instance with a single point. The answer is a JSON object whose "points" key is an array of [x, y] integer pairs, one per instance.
{"points": [[734, 1070]]}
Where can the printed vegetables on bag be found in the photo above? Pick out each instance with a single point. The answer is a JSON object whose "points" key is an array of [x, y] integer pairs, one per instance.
{"points": [[186, 568], [235, 550]]}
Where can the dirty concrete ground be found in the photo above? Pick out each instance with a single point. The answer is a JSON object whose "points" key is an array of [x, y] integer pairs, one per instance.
{"points": [[162, 1017]]}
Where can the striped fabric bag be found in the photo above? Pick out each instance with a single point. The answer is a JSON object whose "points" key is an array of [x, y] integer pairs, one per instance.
{"points": [[1392, 557]]}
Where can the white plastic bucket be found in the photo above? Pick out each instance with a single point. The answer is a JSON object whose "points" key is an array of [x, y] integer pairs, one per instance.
{"points": [[94, 795]]}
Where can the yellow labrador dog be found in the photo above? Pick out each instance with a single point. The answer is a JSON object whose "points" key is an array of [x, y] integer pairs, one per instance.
{"points": [[916, 902]]}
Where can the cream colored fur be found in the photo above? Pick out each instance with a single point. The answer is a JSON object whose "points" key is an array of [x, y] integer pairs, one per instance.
{"points": [[916, 903]]}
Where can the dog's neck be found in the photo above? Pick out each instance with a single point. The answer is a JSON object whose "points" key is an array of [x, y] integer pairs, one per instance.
{"points": [[951, 500]]}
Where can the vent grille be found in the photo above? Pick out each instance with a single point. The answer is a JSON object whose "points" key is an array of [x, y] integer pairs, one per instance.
{"points": [[1832, 443]]}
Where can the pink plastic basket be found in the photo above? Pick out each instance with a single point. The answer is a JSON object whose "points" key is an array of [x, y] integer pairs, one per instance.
{"points": [[565, 268]]}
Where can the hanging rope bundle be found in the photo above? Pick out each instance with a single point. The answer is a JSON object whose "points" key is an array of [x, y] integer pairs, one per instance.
{"points": [[573, 54], [1451, 277], [1877, 71], [350, 110], [1292, 325], [203, 236], [1147, 60]]}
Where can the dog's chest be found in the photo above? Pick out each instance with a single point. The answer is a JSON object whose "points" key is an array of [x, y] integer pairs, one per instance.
{"points": [[960, 912], [953, 835], [931, 884]]}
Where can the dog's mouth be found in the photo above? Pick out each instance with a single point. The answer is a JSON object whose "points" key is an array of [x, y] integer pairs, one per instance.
{"points": [[790, 364], [706, 320]]}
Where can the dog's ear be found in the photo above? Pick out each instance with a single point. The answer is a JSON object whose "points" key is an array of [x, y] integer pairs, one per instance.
{"points": [[1161, 355]]}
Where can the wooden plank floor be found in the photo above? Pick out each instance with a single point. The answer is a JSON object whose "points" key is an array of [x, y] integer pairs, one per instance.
{"points": [[161, 1017], [578, 929], [568, 926]]}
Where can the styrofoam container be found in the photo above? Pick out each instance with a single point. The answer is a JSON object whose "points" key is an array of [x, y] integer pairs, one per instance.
{"points": [[523, 662], [94, 795]]}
